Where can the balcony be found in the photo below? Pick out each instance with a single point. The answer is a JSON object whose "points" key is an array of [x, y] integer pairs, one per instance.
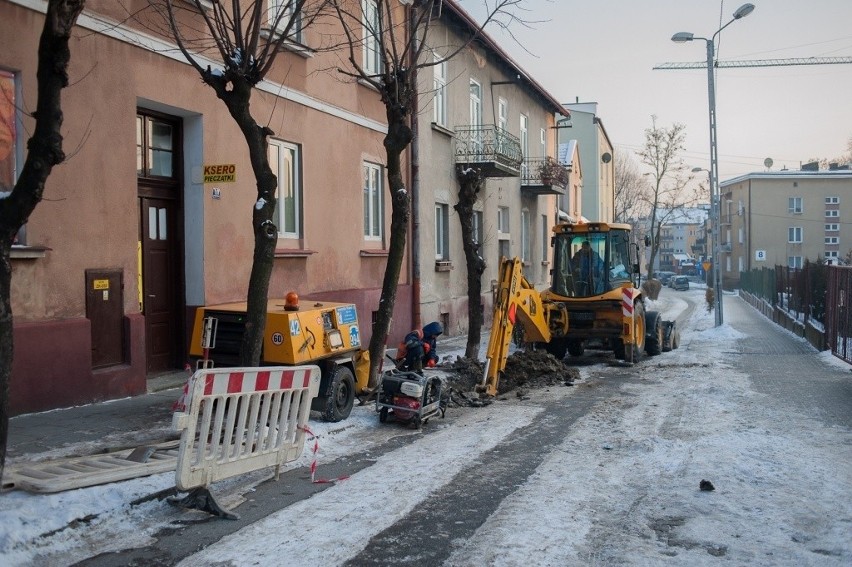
{"points": [[544, 176], [495, 152]]}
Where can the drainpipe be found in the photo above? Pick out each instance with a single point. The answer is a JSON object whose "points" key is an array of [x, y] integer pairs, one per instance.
{"points": [[414, 168]]}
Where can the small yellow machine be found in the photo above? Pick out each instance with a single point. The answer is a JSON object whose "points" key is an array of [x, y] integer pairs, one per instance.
{"points": [[594, 295], [326, 334]]}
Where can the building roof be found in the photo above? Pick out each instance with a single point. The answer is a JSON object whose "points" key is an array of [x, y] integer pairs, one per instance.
{"points": [[789, 174], [514, 68]]}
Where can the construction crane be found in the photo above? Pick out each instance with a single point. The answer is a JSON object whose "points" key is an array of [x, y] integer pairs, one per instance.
{"points": [[757, 63]]}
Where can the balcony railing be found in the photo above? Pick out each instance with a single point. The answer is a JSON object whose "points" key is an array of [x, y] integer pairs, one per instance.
{"points": [[542, 176], [496, 152]]}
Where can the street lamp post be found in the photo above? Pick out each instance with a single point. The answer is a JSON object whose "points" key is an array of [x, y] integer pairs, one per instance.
{"points": [[715, 201]]}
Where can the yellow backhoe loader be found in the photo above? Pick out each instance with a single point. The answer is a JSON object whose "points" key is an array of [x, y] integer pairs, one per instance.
{"points": [[594, 295]]}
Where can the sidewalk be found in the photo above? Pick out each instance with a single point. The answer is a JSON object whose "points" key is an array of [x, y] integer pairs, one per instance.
{"points": [[98, 427], [117, 424]]}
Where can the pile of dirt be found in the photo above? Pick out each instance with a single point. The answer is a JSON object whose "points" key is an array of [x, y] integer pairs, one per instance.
{"points": [[527, 369], [535, 369]]}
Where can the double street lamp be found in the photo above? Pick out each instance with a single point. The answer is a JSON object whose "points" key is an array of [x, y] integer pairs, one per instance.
{"points": [[715, 201]]}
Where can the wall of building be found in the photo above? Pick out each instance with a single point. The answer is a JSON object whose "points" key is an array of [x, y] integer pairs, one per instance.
{"points": [[89, 218], [444, 292]]}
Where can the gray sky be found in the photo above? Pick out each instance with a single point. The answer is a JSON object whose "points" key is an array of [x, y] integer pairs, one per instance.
{"points": [[604, 50]]}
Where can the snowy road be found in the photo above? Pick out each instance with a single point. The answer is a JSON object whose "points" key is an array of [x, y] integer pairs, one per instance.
{"points": [[604, 473]]}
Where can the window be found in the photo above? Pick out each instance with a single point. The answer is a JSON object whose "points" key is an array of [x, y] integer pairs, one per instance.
{"points": [[155, 152], [543, 142], [526, 249], [832, 240], [834, 227], [503, 220], [9, 140], [503, 111], [442, 228], [728, 264], [794, 261], [740, 235], [794, 205], [439, 115], [284, 161], [740, 264], [545, 239], [832, 214], [373, 217], [794, 234], [281, 17], [477, 227], [372, 44], [832, 200], [476, 115], [831, 254]]}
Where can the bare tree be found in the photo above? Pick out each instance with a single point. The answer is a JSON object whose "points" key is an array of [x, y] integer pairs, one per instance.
{"points": [[631, 188], [669, 192], [44, 152], [234, 32], [386, 47], [470, 185]]}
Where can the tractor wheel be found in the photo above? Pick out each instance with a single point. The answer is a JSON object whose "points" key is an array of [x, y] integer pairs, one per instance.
{"points": [[654, 327], [575, 347], [339, 402]]}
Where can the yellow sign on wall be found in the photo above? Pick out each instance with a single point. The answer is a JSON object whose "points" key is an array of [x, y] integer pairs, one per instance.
{"points": [[222, 173], [100, 284]]}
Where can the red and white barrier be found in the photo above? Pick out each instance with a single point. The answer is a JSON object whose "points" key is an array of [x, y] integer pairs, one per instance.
{"points": [[242, 419]]}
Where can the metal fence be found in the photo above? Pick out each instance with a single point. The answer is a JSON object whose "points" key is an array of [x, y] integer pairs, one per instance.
{"points": [[838, 320], [798, 291]]}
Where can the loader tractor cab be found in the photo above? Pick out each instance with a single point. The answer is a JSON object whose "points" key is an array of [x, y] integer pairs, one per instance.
{"points": [[591, 263]]}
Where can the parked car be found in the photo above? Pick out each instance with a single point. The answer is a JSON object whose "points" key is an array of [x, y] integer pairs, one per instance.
{"points": [[664, 277], [680, 283]]}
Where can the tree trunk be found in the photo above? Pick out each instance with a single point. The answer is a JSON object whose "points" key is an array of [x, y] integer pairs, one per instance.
{"points": [[235, 92], [471, 184], [44, 152], [396, 140]]}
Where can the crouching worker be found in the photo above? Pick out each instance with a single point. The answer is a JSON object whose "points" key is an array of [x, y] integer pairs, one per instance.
{"points": [[419, 348]]}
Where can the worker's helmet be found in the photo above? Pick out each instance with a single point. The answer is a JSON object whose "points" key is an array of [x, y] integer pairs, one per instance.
{"points": [[433, 329], [291, 301]]}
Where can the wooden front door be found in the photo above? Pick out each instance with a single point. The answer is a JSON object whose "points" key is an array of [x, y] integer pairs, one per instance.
{"points": [[160, 239], [159, 282]]}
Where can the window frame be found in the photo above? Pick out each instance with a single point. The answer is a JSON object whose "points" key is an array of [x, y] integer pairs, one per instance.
{"points": [[440, 100], [11, 118], [794, 262], [832, 200], [832, 227], [832, 213], [373, 198], [526, 244], [295, 180], [272, 8], [792, 207], [832, 240], [792, 233], [371, 45], [442, 228], [478, 219], [503, 221]]}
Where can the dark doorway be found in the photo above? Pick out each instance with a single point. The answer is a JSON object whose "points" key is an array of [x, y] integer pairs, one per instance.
{"points": [[158, 159]]}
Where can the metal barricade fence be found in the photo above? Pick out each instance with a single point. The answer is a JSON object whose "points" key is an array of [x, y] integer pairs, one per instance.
{"points": [[242, 419], [838, 314]]}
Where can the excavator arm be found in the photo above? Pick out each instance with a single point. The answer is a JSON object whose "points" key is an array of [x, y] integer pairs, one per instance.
{"points": [[516, 302]]}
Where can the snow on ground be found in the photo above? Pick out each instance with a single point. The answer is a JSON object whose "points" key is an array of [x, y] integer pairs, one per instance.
{"points": [[621, 489]]}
